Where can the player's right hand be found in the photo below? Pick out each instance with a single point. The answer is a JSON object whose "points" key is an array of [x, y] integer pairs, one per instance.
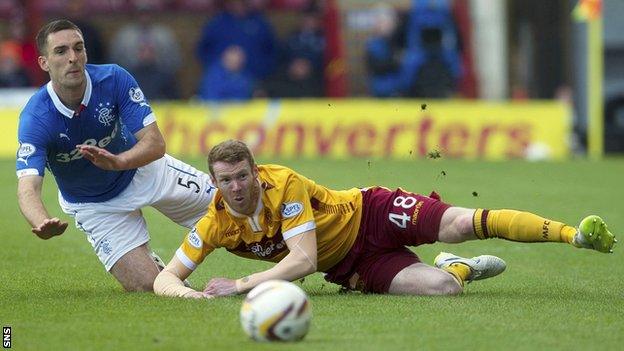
{"points": [[102, 158], [49, 228]]}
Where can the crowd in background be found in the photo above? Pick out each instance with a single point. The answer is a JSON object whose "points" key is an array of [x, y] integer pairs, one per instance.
{"points": [[410, 53], [416, 54]]}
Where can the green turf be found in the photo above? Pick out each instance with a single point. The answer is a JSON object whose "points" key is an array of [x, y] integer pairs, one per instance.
{"points": [[56, 296]]}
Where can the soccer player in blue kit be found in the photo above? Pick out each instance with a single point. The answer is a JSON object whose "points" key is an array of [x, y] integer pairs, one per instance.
{"points": [[94, 130]]}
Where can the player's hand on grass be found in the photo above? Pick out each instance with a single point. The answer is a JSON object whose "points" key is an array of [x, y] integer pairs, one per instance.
{"points": [[221, 287], [197, 295], [101, 157], [49, 228]]}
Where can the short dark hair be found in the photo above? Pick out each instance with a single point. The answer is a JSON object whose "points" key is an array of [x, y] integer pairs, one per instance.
{"points": [[53, 27], [229, 151]]}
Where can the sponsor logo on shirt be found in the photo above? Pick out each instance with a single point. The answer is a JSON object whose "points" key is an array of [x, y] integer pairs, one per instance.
{"points": [[75, 153], [267, 249], [236, 231], [291, 209], [25, 150], [194, 239]]}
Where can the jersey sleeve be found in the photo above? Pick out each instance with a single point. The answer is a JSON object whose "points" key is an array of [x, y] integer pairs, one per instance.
{"points": [[296, 210], [197, 244], [134, 110], [31, 153]]}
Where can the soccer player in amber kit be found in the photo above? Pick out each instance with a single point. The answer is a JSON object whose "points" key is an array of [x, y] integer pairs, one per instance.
{"points": [[358, 237]]}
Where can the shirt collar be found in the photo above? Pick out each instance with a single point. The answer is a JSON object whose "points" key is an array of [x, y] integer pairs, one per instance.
{"points": [[64, 110]]}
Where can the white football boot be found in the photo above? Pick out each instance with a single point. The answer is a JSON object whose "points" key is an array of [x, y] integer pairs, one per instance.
{"points": [[481, 267]]}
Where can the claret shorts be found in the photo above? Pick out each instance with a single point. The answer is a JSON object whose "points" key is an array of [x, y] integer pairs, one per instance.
{"points": [[391, 221]]}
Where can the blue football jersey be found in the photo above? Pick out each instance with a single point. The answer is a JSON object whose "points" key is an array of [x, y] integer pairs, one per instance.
{"points": [[112, 111]]}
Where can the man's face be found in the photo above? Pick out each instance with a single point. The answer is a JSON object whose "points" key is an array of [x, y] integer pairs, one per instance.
{"points": [[237, 182], [65, 59]]}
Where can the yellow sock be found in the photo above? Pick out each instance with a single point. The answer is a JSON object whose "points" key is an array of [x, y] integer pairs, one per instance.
{"points": [[520, 226], [459, 271]]}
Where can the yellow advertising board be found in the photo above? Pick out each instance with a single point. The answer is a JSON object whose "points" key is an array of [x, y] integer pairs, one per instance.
{"points": [[372, 128], [359, 128]]}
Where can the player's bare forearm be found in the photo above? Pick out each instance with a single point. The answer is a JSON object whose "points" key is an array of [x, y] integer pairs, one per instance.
{"points": [[169, 282], [33, 209], [300, 262], [149, 147], [29, 199], [286, 269]]}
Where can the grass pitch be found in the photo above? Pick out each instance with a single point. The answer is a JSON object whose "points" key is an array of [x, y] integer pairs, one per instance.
{"points": [[56, 296]]}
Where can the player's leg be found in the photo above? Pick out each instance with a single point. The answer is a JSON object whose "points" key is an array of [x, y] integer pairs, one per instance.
{"points": [[448, 277], [136, 270], [456, 225], [422, 279], [461, 224], [119, 239], [395, 271]]}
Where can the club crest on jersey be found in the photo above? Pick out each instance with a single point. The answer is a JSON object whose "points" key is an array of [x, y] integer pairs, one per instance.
{"points": [[25, 150], [291, 209], [194, 239], [105, 114]]}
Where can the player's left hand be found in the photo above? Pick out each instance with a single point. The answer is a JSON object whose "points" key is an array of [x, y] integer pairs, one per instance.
{"points": [[221, 287], [101, 157]]}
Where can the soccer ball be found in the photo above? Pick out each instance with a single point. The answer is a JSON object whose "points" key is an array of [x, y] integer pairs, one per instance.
{"points": [[276, 310]]}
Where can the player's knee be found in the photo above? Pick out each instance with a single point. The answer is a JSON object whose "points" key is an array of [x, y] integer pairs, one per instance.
{"points": [[138, 285], [444, 284]]}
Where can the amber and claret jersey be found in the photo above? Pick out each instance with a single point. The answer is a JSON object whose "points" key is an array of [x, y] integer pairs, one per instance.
{"points": [[289, 205]]}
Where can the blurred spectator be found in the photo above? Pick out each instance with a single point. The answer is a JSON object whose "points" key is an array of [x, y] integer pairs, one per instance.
{"points": [[241, 23], [127, 44], [384, 55], [25, 51], [226, 80], [433, 51], [308, 41], [156, 82], [76, 12], [12, 74], [296, 81], [291, 4]]}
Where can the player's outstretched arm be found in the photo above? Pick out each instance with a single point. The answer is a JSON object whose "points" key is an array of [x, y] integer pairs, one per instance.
{"points": [[300, 262], [150, 147], [169, 282], [29, 199]]}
